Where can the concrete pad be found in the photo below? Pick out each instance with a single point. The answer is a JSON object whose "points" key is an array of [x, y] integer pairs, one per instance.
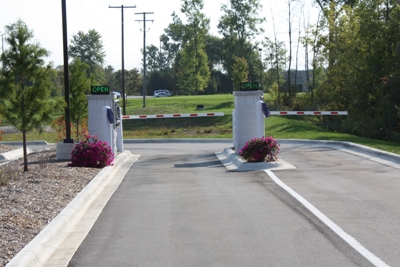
{"points": [[234, 162]]}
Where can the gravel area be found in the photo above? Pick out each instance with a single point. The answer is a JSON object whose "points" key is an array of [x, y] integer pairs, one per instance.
{"points": [[30, 200]]}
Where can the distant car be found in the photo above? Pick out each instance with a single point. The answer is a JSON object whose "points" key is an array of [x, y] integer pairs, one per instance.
{"points": [[162, 93], [117, 94]]}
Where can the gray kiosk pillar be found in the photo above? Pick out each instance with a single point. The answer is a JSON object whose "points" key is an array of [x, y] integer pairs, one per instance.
{"points": [[106, 128], [247, 118]]}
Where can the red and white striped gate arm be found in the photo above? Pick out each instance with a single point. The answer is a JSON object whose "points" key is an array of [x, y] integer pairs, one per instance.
{"points": [[165, 116], [282, 113]]}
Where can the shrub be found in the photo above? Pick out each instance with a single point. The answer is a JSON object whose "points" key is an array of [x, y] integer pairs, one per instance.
{"points": [[7, 173], [92, 153], [260, 149], [60, 128]]}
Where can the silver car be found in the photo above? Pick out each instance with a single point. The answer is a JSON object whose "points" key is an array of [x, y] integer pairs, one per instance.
{"points": [[162, 93]]}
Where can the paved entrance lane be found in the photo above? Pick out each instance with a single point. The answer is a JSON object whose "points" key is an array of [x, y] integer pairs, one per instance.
{"points": [[179, 207], [358, 194]]}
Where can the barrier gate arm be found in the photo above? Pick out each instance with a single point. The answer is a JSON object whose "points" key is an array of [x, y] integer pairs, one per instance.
{"points": [[165, 116], [283, 113]]}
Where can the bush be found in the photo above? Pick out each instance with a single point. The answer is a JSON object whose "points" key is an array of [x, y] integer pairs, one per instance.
{"points": [[7, 173], [60, 128], [92, 153], [260, 149]]}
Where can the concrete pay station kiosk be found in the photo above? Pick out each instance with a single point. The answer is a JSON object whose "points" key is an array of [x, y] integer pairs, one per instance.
{"points": [[104, 121], [247, 117]]}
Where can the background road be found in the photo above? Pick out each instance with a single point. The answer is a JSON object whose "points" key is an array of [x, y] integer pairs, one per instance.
{"points": [[178, 206]]}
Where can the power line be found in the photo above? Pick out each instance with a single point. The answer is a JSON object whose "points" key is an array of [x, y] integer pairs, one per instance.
{"points": [[123, 67], [144, 52]]}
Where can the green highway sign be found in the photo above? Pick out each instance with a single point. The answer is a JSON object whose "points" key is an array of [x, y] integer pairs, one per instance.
{"points": [[100, 90], [249, 86]]}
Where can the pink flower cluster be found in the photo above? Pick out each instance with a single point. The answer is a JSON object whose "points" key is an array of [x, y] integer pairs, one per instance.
{"points": [[260, 149], [92, 153]]}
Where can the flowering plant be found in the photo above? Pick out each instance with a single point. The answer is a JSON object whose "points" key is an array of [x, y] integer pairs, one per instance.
{"points": [[260, 149], [92, 153]]}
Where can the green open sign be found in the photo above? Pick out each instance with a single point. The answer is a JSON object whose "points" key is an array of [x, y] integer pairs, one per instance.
{"points": [[249, 86], [100, 90]]}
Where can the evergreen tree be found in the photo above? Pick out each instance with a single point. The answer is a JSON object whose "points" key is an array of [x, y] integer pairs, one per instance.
{"points": [[79, 87], [25, 83]]}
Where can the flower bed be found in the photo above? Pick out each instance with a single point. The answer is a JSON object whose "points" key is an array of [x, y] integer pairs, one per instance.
{"points": [[260, 150]]}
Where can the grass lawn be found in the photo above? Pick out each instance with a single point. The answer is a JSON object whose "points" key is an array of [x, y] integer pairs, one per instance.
{"points": [[180, 104], [280, 127]]}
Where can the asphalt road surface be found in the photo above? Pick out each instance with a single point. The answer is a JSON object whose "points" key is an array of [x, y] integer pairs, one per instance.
{"points": [[178, 206]]}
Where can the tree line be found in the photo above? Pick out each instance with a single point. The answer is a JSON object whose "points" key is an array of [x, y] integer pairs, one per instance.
{"points": [[352, 59]]}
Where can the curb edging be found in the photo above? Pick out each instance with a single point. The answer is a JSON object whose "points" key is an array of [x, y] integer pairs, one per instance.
{"points": [[37, 252]]}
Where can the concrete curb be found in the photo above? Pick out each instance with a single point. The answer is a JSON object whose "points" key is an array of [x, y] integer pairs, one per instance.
{"points": [[48, 241], [234, 162], [14, 154], [28, 143], [347, 145]]}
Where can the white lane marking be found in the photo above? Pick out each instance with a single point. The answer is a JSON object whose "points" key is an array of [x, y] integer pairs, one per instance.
{"points": [[334, 227]]}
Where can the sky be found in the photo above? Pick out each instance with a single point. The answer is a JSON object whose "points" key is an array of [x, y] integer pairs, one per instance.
{"points": [[44, 18]]}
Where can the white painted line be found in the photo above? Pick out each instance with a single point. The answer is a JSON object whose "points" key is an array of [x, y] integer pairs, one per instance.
{"points": [[334, 227]]}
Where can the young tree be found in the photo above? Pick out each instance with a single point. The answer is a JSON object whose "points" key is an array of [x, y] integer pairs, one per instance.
{"points": [[292, 10], [24, 84], [79, 87], [240, 71], [193, 72], [109, 75], [153, 58], [275, 54], [133, 81]]}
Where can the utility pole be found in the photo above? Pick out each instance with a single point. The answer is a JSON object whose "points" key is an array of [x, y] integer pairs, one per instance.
{"points": [[144, 52], [123, 66]]}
